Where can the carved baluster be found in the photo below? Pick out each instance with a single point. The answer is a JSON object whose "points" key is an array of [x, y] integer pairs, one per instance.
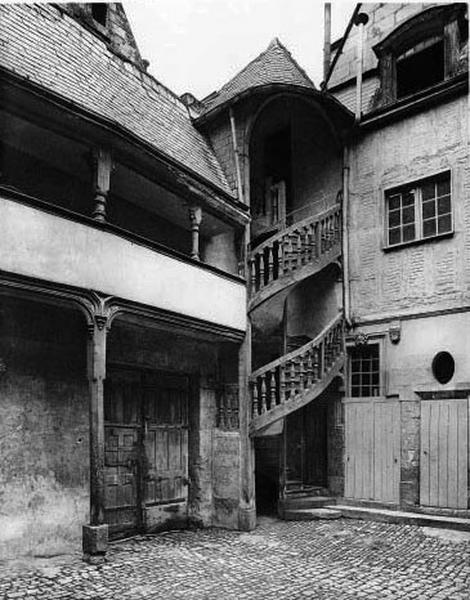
{"points": [[322, 358], [292, 380], [299, 248], [282, 384], [318, 238], [222, 423], [290, 253], [261, 269], [316, 365], [309, 369], [272, 398], [276, 260], [253, 274], [308, 244], [255, 399], [301, 373], [270, 263], [264, 407]]}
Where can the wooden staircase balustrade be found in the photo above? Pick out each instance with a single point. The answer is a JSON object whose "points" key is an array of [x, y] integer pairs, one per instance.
{"points": [[282, 259], [289, 382]]}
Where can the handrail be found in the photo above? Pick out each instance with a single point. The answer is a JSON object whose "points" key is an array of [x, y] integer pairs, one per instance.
{"points": [[297, 225], [290, 377], [285, 253], [298, 351]]}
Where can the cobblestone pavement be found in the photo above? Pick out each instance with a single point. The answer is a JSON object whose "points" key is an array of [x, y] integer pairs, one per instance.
{"points": [[322, 560]]}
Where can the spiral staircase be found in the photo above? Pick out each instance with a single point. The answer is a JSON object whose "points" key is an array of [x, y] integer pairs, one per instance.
{"points": [[286, 258]]}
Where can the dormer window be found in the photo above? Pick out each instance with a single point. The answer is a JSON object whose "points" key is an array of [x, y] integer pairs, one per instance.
{"points": [[421, 53], [420, 67], [99, 12]]}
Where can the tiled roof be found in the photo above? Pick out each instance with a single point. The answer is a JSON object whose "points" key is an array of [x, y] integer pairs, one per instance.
{"points": [[274, 65], [47, 47]]}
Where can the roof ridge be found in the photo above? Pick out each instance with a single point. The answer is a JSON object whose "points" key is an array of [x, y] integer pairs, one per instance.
{"points": [[289, 53]]}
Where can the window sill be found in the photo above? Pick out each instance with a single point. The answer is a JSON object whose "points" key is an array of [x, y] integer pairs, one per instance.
{"points": [[433, 238]]}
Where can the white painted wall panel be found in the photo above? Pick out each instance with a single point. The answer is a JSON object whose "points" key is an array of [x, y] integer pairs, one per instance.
{"points": [[49, 247]]}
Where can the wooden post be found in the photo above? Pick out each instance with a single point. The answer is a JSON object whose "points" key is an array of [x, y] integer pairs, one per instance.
{"points": [[95, 535], [97, 375], [195, 216], [103, 165]]}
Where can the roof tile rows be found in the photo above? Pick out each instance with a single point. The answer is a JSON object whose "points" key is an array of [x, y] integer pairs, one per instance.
{"points": [[40, 43], [274, 65]]}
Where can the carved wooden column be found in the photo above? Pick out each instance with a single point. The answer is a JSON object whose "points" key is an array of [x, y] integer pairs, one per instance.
{"points": [[195, 216], [95, 535], [102, 166]]}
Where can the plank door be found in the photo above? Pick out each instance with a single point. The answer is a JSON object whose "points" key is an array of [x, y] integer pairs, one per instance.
{"points": [[122, 431], [166, 451], [372, 470], [444, 453]]}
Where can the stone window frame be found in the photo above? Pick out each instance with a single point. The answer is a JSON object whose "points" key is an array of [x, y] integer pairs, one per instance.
{"points": [[414, 189], [441, 22]]}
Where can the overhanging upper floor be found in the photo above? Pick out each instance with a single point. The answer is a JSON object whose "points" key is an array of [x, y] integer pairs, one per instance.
{"points": [[58, 246]]}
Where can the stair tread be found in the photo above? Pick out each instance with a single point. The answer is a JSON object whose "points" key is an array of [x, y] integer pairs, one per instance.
{"points": [[397, 516], [311, 513]]}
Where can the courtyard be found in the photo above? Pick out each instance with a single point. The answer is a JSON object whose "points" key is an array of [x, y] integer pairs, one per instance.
{"points": [[322, 560]]}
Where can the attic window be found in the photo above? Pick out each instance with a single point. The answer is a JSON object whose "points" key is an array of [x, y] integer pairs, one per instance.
{"points": [[421, 67], [99, 12], [422, 52]]}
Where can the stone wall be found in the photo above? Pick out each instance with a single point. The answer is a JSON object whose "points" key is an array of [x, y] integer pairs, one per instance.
{"points": [[43, 429]]}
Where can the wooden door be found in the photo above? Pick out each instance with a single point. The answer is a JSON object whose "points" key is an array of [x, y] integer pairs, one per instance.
{"points": [[444, 453], [122, 451], [372, 431], [166, 450]]}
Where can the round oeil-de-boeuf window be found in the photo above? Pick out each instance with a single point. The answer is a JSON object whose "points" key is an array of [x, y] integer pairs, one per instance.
{"points": [[443, 367]]}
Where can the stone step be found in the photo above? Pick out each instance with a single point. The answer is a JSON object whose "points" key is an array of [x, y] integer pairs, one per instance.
{"points": [[305, 502], [311, 514], [400, 517]]}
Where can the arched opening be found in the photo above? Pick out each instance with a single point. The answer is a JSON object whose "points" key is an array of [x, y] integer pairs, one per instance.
{"points": [[295, 165]]}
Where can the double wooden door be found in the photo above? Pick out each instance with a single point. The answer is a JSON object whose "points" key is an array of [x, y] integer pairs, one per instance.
{"points": [[146, 450]]}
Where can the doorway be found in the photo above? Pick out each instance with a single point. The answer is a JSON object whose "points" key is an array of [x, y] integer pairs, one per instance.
{"points": [[146, 450]]}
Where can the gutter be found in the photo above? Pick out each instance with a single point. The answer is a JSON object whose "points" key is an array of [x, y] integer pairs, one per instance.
{"points": [[345, 239]]}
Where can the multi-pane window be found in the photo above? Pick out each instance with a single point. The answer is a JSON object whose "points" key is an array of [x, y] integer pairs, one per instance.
{"points": [[419, 211], [364, 371]]}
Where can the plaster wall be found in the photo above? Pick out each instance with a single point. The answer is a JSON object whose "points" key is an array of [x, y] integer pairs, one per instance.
{"points": [[424, 276], [407, 369], [80, 255], [43, 430]]}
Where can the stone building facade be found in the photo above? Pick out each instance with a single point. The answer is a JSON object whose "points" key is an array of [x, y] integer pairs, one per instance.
{"points": [[212, 307]]}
